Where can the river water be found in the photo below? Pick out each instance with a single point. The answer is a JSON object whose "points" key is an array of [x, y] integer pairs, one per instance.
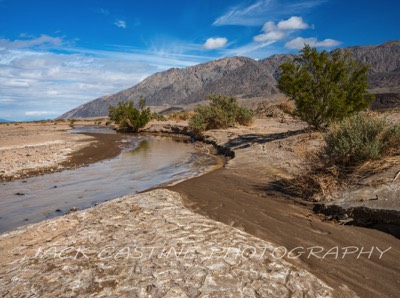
{"points": [[147, 161]]}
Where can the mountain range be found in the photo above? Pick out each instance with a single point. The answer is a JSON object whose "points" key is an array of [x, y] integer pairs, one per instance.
{"points": [[241, 77]]}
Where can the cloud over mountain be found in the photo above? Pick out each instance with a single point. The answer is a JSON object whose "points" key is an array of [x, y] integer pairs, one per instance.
{"points": [[215, 43]]}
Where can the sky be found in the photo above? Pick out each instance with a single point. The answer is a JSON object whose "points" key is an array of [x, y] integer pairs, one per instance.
{"points": [[57, 55]]}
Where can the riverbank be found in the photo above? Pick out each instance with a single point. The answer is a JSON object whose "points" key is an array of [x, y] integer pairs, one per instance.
{"points": [[36, 148]]}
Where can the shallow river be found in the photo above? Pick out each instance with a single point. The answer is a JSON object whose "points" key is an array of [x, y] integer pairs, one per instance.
{"points": [[147, 162]]}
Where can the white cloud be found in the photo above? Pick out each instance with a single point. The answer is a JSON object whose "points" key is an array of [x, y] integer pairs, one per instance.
{"points": [[299, 42], [43, 40], [215, 43], [270, 36], [254, 49], [275, 32], [293, 23], [256, 13], [120, 24], [328, 43], [269, 26], [38, 113], [39, 79]]}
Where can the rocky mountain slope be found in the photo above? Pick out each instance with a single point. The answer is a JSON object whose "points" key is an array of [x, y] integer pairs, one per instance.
{"points": [[240, 77]]}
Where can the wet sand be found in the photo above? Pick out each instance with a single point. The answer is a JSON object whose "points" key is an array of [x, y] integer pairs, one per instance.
{"points": [[107, 146], [238, 201]]}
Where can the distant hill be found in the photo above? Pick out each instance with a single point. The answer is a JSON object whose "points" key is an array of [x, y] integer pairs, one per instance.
{"points": [[4, 120], [241, 77]]}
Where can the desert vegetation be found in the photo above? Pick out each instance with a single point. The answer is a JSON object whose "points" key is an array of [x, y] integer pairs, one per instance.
{"points": [[361, 138], [128, 118], [158, 117], [223, 112], [329, 92], [180, 116], [325, 87], [353, 149]]}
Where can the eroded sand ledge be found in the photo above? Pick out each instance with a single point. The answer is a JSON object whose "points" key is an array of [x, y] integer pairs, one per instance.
{"points": [[146, 245]]}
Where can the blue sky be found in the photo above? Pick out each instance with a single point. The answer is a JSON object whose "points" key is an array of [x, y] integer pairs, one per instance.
{"points": [[56, 55]]}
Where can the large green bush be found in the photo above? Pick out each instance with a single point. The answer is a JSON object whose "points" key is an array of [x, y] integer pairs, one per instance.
{"points": [[361, 138], [223, 112], [127, 117], [325, 87]]}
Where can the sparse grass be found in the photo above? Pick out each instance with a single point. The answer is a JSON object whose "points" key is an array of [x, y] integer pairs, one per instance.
{"points": [[277, 110], [158, 117], [288, 107], [180, 116]]}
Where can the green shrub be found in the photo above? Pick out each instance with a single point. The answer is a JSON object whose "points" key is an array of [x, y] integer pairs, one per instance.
{"points": [[360, 138], [128, 118], [325, 87], [223, 112], [198, 123], [244, 116]]}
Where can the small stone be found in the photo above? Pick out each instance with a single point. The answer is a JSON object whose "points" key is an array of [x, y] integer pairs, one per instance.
{"points": [[19, 194]]}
